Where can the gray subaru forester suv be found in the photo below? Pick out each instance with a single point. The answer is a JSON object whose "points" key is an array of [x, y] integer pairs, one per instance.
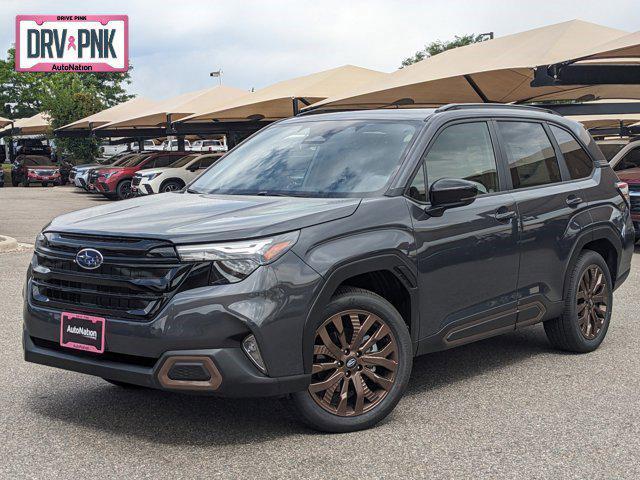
{"points": [[318, 257]]}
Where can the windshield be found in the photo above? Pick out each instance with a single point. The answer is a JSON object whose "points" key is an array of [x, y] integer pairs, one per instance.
{"points": [[36, 161], [338, 158], [136, 160], [182, 161]]}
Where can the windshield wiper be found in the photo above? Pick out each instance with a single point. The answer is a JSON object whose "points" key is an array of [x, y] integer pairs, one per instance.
{"points": [[190, 190], [265, 193]]}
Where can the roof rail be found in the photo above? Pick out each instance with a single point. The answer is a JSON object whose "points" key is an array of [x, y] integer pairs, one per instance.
{"points": [[464, 106]]}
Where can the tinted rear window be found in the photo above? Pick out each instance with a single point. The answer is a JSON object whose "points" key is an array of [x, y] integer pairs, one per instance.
{"points": [[532, 159]]}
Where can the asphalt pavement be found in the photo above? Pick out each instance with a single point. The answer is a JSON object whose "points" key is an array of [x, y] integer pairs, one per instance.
{"points": [[507, 407]]}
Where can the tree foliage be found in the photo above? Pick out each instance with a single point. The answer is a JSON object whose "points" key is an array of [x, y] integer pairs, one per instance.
{"points": [[440, 46], [65, 96]]}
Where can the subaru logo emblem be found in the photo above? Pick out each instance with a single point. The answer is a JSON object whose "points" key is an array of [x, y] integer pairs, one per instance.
{"points": [[89, 258]]}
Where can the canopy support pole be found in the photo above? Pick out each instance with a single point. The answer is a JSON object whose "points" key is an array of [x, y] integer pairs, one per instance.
{"points": [[477, 89], [181, 143]]}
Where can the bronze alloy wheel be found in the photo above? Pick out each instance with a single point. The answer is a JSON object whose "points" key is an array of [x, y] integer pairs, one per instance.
{"points": [[592, 302], [355, 358]]}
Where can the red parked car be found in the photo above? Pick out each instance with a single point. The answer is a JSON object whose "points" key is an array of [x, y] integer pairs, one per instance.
{"points": [[115, 182], [28, 169]]}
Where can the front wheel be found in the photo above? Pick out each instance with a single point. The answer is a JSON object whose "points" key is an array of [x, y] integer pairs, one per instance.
{"points": [[587, 310], [362, 360], [171, 186], [123, 190]]}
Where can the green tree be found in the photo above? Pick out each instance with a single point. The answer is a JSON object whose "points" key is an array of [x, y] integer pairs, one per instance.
{"points": [[65, 96], [440, 46], [67, 99], [22, 93]]}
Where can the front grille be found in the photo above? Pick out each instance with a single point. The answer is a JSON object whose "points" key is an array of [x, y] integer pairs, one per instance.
{"points": [[635, 203], [136, 279], [634, 187], [92, 177]]}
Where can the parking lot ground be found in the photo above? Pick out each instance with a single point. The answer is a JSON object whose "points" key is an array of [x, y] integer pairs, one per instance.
{"points": [[24, 211], [506, 407]]}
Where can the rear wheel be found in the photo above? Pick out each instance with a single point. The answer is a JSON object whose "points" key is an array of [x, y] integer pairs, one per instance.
{"points": [[362, 360], [587, 311], [123, 190]]}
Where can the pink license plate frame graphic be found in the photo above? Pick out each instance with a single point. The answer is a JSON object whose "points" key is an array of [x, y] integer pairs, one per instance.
{"points": [[50, 66], [92, 323]]}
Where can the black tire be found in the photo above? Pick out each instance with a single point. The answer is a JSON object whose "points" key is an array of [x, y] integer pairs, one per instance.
{"points": [[171, 186], [117, 383], [45, 184], [123, 190], [565, 332], [25, 183], [14, 181], [319, 418]]}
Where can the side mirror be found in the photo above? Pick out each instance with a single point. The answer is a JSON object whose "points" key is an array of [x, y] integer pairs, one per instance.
{"points": [[452, 192], [193, 168]]}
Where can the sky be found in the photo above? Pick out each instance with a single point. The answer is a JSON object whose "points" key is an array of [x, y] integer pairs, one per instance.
{"points": [[174, 45]]}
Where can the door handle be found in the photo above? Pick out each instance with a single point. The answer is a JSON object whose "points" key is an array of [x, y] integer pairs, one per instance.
{"points": [[503, 213], [573, 201]]}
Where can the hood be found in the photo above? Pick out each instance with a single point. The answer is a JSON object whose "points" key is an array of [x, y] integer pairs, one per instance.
{"points": [[86, 166], [195, 218], [107, 169], [630, 175], [42, 167], [152, 170]]}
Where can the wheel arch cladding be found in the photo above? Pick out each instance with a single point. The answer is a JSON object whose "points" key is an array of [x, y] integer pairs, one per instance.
{"points": [[602, 240], [386, 275]]}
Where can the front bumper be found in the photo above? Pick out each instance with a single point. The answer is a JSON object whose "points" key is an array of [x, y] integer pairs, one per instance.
{"points": [[239, 378], [210, 321]]}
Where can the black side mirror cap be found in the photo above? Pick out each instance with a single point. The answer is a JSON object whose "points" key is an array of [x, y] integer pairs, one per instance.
{"points": [[451, 192]]}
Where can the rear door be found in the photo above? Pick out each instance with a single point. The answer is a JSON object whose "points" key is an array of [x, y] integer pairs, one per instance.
{"points": [[552, 209], [467, 257]]}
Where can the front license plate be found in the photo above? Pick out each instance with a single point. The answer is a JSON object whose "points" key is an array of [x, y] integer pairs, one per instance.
{"points": [[82, 332]]}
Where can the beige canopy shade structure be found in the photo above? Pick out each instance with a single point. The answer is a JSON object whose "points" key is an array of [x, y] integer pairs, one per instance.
{"points": [[277, 101], [498, 70], [177, 108], [119, 112], [4, 122], [608, 120], [35, 125]]}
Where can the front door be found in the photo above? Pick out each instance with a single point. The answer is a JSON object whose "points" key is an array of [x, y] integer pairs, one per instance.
{"points": [[467, 258]]}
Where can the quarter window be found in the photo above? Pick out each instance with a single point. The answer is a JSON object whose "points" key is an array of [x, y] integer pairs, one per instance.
{"points": [[464, 151], [532, 159], [578, 161]]}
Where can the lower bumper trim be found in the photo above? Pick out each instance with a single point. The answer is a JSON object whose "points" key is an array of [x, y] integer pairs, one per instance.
{"points": [[238, 376]]}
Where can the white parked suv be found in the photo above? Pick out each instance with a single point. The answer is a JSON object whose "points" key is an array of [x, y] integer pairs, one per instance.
{"points": [[208, 146], [175, 176]]}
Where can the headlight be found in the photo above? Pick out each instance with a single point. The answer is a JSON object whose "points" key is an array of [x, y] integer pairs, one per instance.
{"points": [[150, 176], [107, 174], [237, 260]]}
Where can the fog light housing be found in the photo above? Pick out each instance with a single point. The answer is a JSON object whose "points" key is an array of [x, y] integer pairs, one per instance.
{"points": [[250, 347]]}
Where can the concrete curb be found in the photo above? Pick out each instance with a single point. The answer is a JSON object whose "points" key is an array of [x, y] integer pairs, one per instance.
{"points": [[8, 244]]}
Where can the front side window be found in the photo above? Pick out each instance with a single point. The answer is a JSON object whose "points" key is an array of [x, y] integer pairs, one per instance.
{"points": [[630, 160], [532, 159], [464, 151], [578, 161], [317, 158]]}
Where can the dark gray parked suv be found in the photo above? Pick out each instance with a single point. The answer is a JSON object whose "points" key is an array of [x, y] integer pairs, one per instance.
{"points": [[317, 258]]}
